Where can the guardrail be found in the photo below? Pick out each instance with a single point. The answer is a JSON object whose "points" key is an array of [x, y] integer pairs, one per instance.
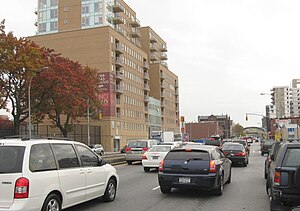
{"points": [[115, 158]]}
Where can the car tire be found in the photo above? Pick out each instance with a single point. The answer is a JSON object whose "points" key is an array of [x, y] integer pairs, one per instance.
{"points": [[229, 177], [220, 189], [52, 202], [110, 192], [245, 164], [262, 154], [265, 174], [146, 169], [165, 189], [129, 162], [297, 177]]}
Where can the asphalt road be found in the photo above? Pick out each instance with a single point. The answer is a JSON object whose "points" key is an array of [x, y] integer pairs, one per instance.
{"points": [[140, 191]]}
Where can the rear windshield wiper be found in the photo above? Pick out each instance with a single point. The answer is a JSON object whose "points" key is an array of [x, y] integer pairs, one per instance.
{"points": [[193, 159]]}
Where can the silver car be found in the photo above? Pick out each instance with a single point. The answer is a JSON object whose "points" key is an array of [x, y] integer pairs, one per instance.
{"points": [[98, 148]]}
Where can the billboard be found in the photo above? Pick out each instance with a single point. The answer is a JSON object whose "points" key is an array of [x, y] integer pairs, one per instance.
{"points": [[107, 94]]}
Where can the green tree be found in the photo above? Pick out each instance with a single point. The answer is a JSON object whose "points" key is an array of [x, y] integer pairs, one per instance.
{"points": [[237, 130]]}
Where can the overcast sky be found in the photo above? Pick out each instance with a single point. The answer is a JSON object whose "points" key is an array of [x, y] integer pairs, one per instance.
{"points": [[225, 52]]}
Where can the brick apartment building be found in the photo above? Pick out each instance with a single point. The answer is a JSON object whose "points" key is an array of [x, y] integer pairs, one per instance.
{"points": [[107, 35]]}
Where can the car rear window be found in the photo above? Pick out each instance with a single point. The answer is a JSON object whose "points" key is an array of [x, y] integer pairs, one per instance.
{"points": [[185, 155], [244, 143], [137, 144], [160, 149], [292, 157], [213, 142], [11, 159], [233, 147]]}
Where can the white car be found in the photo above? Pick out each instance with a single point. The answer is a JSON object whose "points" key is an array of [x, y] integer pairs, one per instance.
{"points": [[47, 174], [152, 158], [98, 148]]}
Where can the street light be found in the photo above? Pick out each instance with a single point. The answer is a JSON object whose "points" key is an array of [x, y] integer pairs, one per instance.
{"points": [[29, 93]]}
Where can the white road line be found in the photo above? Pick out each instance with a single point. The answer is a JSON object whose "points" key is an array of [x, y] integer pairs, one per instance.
{"points": [[156, 188]]}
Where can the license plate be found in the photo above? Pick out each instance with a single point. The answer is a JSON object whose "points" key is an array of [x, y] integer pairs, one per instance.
{"points": [[154, 157], [184, 180], [136, 152], [232, 155]]}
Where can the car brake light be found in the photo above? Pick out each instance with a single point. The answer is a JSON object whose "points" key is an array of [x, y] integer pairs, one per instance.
{"points": [[127, 149], [21, 188], [226, 153], [240, 154], [277, 178], [161, 165], [145, 148], [212, 167], [188, 150], [144, 157]]}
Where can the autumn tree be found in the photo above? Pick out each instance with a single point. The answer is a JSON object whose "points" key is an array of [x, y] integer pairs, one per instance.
{"points": [[20, 59], [237, 130], [62, 92]]}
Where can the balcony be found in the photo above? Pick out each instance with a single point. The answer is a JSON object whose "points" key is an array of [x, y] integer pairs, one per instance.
{"points": [[163, 85], [163, 48], [153, 47], [153, 39], [120, 30], [153, 57], [117, 7], [176, 100], [146, 109], [135, 22], [135, 33], [176, 84], [118, 19], [118, 101], [119, 61], [176, 92], [163, 94], [164, 63], [146, 76], [163, 104], [146, 87], [146, 98], [163, 56], [146, 65], [119, 89], [163, 76], [119, 48], [119, 75]]}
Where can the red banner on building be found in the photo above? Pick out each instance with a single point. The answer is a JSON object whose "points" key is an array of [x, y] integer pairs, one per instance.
{"points": [[107, 94]]}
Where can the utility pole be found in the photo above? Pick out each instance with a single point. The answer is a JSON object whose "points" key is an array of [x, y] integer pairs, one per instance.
{"points": [[88, 120]]}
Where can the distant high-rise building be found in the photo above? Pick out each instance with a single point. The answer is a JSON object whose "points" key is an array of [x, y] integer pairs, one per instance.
{"points": [[105, 34]]}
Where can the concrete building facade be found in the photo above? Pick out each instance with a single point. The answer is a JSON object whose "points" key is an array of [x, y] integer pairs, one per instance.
{"points": [[106, 35]]}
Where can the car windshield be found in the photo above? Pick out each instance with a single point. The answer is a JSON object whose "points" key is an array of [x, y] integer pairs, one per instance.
{"points": [[244, 143], [11, 159], [269, 142], [160, 149], [137, 144]]}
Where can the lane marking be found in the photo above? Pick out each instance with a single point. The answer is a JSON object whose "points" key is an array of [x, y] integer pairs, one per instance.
{"points": [[156, 188]]}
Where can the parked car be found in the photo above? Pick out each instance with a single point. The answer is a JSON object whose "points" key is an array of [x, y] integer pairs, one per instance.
{"points": [[194, 166], [283, 182], [266, 146], [98, 148], [152, 158], [236, 152], [136, 148], [271, 157], [47, 174], [245, 144]]}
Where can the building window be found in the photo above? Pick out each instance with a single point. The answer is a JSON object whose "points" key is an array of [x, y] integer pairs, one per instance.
{"points": [[85, 21], [66, 9], [53, 3], [98, 20], [53, 13], [53, 26], [98, 7], [66, 21], [42, 27], [85, 9], [43, 4]]}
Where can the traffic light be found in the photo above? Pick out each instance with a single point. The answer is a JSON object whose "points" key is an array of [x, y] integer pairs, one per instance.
{"points": [[182, 119], [246, 117]]}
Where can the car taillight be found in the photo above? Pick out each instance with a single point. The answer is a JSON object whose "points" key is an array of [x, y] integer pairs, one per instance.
{"points": [[240, 154], [127, 149], [144, 157], [212, 167], [145, 148], [161, 165], [277, 178], [226, 153], [21, 188]]}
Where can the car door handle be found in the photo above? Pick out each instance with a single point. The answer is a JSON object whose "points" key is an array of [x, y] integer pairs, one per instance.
{"points": [[89, 171], [81, 171]]}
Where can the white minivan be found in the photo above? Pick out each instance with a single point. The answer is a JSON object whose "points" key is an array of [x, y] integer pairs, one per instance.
{"points": [[52, 174]]}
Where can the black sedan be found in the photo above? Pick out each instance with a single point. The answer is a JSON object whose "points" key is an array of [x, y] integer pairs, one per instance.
{"points": [[195, 166], [236, 153], [266, 146]]}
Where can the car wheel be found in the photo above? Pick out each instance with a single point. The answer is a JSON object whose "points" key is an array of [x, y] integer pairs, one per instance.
{"points": [[52, 202], [268, 190], [129, 162], [262, 154], [229, 177], [265, 174], [245, 164], [110, 192], [220, 189], [165, 189], [146, 169]]}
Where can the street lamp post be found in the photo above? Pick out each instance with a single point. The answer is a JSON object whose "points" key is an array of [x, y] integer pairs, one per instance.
{"points": [[29, 103]]}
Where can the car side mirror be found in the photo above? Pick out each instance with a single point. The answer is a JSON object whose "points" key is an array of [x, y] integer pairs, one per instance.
{"points": [[272, 157], [101, 162]]}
